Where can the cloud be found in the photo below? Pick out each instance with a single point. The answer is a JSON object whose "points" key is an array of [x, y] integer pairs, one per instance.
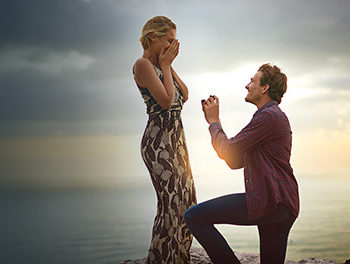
{"points": [[69, 62], [42, 60], [60, 25], [66, 76], [30, 95]]}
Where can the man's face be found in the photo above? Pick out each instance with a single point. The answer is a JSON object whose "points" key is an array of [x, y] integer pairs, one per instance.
{"points": [[255, 90]]}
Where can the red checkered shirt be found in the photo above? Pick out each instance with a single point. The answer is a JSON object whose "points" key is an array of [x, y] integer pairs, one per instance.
{"points": [[263, 148]]}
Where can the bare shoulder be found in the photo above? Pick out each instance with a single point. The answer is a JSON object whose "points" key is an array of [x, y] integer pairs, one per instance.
{"points": [[142, 64], [143, 71]]}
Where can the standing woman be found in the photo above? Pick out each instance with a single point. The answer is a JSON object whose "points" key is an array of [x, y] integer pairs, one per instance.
{"points": [[163, 146]]}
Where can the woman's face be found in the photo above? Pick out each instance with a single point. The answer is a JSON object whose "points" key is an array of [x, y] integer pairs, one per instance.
{"points": [[164, 41]]}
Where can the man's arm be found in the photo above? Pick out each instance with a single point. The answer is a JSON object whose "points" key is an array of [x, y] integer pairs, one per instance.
{"points": [[260, 129], [219, 140], [222, 146]]}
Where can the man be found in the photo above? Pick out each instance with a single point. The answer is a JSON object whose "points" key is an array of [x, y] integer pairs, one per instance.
{"points": [[263, 149]]}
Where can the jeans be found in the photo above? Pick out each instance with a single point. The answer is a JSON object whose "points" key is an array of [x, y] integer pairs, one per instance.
{"points": [[231, 209]]}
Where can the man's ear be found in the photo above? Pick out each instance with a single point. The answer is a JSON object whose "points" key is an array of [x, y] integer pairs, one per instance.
{"points": [[266, 88]]}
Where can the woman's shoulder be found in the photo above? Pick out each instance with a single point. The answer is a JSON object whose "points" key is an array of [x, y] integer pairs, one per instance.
{"points": [[144, 69], [142, 64]]}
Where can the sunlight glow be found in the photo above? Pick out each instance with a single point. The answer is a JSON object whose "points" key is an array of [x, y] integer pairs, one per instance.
{"points": [[222, 84]]}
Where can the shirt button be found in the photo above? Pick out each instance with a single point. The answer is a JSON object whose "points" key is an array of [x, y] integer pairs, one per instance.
{"points": [[246, 181]]}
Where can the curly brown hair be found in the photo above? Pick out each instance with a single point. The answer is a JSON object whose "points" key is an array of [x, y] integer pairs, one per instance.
{"points": [[277, 81]]}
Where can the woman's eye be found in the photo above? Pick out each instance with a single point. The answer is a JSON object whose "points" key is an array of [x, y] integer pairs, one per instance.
{"points": [[170, 40]]}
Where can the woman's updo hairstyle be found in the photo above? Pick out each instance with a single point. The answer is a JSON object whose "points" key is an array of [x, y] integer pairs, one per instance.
{"points": [[159, 25]]}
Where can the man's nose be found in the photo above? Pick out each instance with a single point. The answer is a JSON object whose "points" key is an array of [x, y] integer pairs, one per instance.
{"points": [[247, 86]]}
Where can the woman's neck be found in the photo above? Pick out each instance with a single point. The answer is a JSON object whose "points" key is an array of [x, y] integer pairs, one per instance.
{"points": [[152, 57]]}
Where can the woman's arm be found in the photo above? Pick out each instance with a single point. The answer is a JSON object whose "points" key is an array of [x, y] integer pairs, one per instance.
{"points": [[145, 76], [182, 85]]}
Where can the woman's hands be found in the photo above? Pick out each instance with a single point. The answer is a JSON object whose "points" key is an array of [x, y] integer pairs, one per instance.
{"points": [[166, 57]]}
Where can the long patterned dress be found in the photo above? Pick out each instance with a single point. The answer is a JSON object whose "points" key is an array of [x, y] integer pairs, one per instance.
{"points": [[165, 154]]}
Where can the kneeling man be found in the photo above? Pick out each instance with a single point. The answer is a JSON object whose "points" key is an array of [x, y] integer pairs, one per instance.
{"points": [[263, 149]]}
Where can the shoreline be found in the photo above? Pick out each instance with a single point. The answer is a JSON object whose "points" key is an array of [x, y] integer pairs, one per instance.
{"points": [[199, 256]]}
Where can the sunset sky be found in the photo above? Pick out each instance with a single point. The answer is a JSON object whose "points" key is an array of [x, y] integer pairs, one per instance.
{"points": [[71, 114]]}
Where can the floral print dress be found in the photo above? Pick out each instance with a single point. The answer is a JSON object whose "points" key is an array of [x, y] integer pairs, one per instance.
{"points": [[164, 151]]}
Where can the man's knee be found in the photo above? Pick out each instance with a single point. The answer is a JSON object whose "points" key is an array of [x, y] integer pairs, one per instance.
{"points": [[190, 215]]}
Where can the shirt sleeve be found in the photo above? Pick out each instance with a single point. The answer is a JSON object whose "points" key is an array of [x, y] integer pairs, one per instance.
{"points": [[260, 129], [221, 145]]}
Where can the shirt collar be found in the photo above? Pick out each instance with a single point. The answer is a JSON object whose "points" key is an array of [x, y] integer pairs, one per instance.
{"points": [[268, 104]]}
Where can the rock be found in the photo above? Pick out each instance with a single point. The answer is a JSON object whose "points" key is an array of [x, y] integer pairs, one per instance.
{"points": [[199, 256]]}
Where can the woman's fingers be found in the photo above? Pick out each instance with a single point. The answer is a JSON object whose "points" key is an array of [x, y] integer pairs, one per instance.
{"points": [[162, 51], [177, 49], [173, 48], [168, 55]]}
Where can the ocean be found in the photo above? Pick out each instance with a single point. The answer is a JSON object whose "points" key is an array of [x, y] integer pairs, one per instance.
{"points": [[111, 225]]}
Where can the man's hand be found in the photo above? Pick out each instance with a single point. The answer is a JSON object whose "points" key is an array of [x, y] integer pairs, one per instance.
{"points": [[210, 108]]}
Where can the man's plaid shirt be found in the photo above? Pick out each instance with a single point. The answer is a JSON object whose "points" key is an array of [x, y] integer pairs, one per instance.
{"points": [[263, 148]]}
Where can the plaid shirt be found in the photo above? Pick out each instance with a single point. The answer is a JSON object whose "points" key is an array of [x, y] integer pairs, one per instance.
{"points": [[263, 148]]}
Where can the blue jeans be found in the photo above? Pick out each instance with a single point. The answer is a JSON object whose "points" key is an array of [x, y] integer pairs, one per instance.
{"points": [[231, 209]]}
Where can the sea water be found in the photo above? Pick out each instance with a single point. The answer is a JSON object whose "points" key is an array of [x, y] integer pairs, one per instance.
{"points": [[111, 225]]}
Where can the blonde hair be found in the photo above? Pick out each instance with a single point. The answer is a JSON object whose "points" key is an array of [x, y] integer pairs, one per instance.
{"points": [[159, 25]]}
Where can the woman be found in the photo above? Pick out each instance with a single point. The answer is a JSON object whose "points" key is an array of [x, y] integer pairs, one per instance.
{"points": [[163, 145]]}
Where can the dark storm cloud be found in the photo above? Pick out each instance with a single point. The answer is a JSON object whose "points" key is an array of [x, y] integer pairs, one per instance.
{"points": [[226, 30], [60, 24], [36, 38], [31, 95], [41, 81], [41, 96], [43, 109]]}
